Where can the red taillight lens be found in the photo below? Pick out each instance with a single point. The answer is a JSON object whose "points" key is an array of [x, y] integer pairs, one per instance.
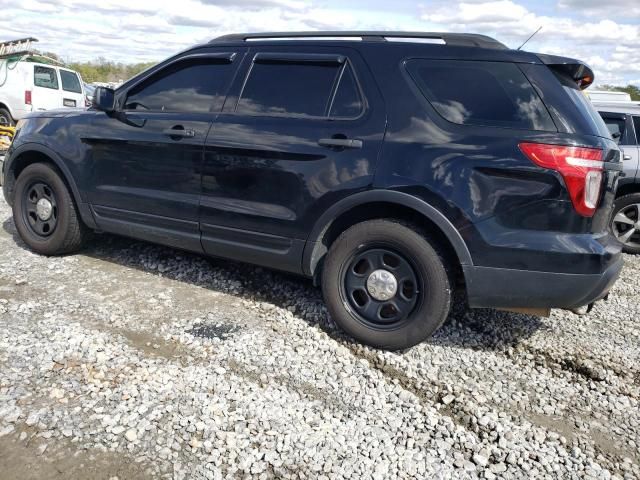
{"points": [[581, 168], [27, 97]]}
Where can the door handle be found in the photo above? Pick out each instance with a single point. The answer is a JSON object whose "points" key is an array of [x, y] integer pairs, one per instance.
{"points": [[626, 157], [179, 132], [340, 143]]}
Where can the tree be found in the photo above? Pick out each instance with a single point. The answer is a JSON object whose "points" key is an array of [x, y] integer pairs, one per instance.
{"points": [[103, 70], [632, 90]]}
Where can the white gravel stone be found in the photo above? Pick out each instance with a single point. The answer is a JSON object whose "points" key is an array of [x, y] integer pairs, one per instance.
{"points": [[207, 369]]}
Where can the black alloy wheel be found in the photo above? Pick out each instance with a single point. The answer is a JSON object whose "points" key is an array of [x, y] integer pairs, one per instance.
{"points": [[41, 209], [381, 286]]}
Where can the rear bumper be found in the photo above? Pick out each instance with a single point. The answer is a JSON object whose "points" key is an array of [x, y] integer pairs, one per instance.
{"points": [[505, 288]]}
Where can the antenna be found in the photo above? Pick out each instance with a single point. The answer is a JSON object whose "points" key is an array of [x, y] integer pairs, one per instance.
{"points": [[530, 37]]}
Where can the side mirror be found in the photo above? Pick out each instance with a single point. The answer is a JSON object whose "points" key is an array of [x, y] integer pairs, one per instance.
{"points": [[104, 99]]}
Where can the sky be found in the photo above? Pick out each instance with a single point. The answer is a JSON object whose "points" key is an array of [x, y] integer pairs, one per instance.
{"points": [[604, 33]]}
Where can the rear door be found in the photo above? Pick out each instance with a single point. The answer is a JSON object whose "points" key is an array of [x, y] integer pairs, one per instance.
{"points": [[622, 129], [301, 129], [72, 93], [46, 88]]}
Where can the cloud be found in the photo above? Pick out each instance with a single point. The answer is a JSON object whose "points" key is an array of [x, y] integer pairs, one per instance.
{"points": [[602, 8], [607, 34]]}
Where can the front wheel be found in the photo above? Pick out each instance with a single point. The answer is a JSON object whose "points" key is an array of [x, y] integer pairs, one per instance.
{"points": [[625, 223], [385, 284], [44, 212]]}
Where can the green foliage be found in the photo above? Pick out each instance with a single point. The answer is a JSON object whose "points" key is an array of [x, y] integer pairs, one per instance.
{"points": [[633, 90], [102, 70]]}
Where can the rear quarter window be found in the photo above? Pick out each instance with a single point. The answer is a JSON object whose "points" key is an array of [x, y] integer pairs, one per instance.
{"points": [[481, 93]]}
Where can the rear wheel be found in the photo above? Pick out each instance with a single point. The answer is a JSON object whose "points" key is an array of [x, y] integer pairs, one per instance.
{"points": [[6, 120], [625, 223], [385, 284], [44, 212]]}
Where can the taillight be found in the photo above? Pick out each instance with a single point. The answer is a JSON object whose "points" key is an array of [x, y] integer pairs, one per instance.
{"points": [[27, 97], [581, 168]]}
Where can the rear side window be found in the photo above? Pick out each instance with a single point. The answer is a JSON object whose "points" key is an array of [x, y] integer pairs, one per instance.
{"points": [[636, 124], [45, 77], [189, 86], [70, 82], [479, 93], [286, 88]]}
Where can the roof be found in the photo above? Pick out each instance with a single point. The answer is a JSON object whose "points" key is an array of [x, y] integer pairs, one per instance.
{"points": [[451, 39], [617, 107]]}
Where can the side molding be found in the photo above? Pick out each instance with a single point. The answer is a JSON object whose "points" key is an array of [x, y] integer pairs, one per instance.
{"points": [[315, 249]]}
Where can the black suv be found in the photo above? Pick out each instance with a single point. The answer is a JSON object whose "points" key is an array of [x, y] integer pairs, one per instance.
{"points": [[391, 167]]}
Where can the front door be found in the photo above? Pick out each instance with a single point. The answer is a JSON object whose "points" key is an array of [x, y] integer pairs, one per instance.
{"points": [[147, 157], [621, 127], [302, 128]]}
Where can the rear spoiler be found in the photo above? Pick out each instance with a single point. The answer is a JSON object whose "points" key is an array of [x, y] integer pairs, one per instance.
{"points": [[575, 69]]}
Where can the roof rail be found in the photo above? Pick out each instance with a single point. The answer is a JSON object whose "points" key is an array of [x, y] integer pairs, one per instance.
{"points": [[451, 39]]}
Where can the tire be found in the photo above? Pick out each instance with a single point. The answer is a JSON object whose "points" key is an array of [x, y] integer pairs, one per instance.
{"points": [[6, 120], [418, 307], [63, 231], [627, 208]]}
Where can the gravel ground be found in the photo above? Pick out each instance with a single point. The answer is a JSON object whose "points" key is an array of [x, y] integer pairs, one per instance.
{"points": [[137, 361]]}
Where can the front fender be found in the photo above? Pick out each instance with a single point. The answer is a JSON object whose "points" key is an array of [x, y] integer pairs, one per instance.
{"points": [[13, 159]]}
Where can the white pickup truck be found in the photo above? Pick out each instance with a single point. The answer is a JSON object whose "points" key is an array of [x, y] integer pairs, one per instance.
{"points": [[31, 82]]}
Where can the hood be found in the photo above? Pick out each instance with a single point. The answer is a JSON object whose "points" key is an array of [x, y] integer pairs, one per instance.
{"points": [[55, 113]]}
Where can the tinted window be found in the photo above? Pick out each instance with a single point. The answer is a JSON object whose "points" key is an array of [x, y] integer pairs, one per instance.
{"points": [[70, 82], [347, 101], [289, 88], [481, 93], [636, 123], [583, 104], [189, 86], [616, 127], [45, 77]]}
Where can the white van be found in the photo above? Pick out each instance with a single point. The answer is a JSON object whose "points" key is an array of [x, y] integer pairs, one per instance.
{"points": [[27, 86]]}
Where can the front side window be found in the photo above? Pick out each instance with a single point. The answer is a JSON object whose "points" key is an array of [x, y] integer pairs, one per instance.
{"points": [[616, 127], [45, 77], [189, 86], [481, 93], [70, 82], [285, 88]]}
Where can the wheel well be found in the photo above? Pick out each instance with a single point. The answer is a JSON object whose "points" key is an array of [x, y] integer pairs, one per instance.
{"points": [[379, 210], [628, 188], [19, 164]]}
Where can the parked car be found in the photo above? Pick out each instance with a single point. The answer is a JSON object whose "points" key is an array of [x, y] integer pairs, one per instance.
{"points": [[28, 86], [88, 92], [623, 121], [392, 168]]}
